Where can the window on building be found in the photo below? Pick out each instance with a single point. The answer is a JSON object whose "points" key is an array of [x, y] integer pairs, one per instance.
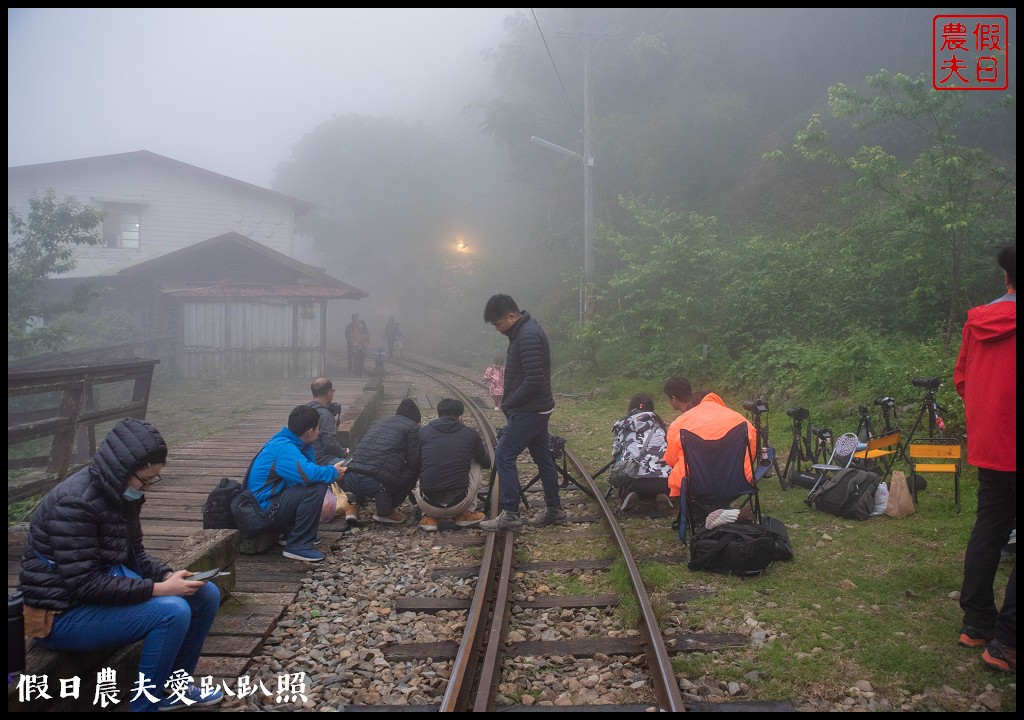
{"points": [[121, 224]]}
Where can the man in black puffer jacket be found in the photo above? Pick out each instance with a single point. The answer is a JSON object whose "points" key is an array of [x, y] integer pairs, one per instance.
{"points": [[385, 465], [527, 403], [89, 583]]}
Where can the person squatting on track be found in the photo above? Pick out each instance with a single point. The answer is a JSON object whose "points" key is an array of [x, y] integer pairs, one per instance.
{"points": [[385, 465], [89, 583], [527, 402], [327, 450], [985, 376], [452, 460], [290, 486], [641, 435]]}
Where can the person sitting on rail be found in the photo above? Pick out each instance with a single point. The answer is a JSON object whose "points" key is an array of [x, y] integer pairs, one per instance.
{"points": [[453, 458], [291, 486], [641, 435], [89, 583], [385, 465], [327, 449]]}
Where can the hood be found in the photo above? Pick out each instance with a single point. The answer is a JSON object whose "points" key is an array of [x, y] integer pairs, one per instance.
{"points": [[129, 445], [446, 424], [996, 321], [713, 397]]}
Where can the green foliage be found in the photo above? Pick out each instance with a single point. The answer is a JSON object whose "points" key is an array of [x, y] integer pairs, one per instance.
{"points": [[37, 248]]}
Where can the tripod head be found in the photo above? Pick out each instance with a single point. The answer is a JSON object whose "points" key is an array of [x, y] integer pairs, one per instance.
{"points": [[888, 406], [823, 434]]}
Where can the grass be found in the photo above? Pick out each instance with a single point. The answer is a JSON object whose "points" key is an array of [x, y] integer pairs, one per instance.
{"points": [[874, 600]]}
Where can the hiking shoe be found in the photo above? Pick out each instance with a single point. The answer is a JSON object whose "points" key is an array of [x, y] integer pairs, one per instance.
{"points": [[629, 501], [193, 698], [428, 523], [999, 656], [352, 514], [397, 517], [467, 519], [664, 503], [548, 516], [505, 521], [972, 637], [309, 555]]}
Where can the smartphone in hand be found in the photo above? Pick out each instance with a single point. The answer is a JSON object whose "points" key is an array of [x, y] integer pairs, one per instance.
{"points": [[205, 575]]}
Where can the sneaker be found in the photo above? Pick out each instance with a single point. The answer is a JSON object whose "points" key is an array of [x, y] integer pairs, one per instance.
{"points": [[548, 516], [972, 637], [999, 656], [310, 555], [283, 540], [428, 523], [467, 519], [174, 702], [629, 501], [396, 517], [665, 503], [352, 514], [505, 521]]}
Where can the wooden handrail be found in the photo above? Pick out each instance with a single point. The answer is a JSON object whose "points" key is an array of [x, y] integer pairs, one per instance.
{"points": [[72, 421]]}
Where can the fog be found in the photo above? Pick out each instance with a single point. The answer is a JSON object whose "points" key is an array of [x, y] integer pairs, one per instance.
{"points": [[230, 90], [426, 116]]}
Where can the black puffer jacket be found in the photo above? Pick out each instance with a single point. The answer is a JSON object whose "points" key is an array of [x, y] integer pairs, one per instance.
{"points": [[390, 453], [527, 369], [84, 527]]}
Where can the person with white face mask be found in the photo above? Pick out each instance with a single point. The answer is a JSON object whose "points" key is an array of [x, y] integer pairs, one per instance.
{"points": [[89, 583]]}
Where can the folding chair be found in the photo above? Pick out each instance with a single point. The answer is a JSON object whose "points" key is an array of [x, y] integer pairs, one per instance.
{"points": [[843, 450], [715, 477], [880, 451], [935, 455]]}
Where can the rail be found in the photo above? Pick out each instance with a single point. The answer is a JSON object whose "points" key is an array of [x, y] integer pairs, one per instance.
{"points": [[65, 405]]}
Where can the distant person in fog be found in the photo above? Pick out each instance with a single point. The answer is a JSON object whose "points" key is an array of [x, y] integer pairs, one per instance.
{"points": [[494, 376], [349, 346], [360, 344], [391, 334]]}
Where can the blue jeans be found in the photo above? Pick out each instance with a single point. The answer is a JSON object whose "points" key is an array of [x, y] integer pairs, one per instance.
{"points": [[364, 487], [298, 514], [996, 518], [173, 630], [525, 431]]}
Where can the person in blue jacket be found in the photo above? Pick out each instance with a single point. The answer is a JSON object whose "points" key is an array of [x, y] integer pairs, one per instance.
{"points": [[290, 486]]}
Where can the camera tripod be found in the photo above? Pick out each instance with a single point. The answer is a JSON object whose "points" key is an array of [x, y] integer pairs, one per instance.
{"points": [[557, 450], [767, 460], [936, 427], [800, 451]]}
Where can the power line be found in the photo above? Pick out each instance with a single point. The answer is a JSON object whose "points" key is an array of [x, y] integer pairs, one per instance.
{"points": [[553, 65]]}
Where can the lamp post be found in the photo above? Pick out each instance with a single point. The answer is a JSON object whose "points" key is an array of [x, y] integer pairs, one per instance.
{"points": [[588, 209]]}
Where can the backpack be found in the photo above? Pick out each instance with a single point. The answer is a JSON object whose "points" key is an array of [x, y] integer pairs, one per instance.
{"points": [[217, 508], [734, 549], [848, 493]]}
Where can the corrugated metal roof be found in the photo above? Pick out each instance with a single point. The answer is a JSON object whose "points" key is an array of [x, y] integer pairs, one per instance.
{"points": [[282, 291]]}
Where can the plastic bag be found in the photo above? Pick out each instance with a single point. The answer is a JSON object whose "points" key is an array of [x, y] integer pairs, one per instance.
{"points": [[881, 499]]}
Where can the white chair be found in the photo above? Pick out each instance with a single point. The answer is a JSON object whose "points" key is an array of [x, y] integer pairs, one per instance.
{"points": [[843, 450]]}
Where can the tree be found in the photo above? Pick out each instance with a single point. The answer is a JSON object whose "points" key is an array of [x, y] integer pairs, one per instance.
{"points": [[930, 209], [41, 247]]}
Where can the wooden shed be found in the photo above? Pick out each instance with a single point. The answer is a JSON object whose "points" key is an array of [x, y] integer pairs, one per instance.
{"points": [[236, 307]]}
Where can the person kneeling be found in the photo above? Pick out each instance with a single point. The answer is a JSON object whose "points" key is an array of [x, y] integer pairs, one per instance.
{"points": [[453, 458]]}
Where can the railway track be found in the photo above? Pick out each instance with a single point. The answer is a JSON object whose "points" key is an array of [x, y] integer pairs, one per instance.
{"points": [[467, 621]]}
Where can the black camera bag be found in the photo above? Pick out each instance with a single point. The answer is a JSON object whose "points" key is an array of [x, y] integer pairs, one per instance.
{"points": [[742, 549], [848, 493], [217, 508]]}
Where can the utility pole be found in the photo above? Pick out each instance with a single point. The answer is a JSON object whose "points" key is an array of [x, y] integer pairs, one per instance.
{"points": [[589, 39]]}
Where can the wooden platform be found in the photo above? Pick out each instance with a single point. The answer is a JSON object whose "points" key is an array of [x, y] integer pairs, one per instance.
{"points": [[265, 584]]}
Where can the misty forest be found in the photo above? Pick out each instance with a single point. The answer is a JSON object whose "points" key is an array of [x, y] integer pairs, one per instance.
{"points": [[782, 205]]}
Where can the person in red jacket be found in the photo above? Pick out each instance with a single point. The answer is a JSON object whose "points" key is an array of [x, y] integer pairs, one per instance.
{"points": [[986, 378]]}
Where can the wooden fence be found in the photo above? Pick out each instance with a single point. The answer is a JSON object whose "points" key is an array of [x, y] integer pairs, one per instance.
{"points": [[64, 406]]}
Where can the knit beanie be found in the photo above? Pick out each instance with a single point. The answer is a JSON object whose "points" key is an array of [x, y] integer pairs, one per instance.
{"points": [[407, 408]]}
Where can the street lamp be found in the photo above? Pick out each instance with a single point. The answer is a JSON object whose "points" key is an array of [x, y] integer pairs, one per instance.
{"points": [[588, 213]]}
